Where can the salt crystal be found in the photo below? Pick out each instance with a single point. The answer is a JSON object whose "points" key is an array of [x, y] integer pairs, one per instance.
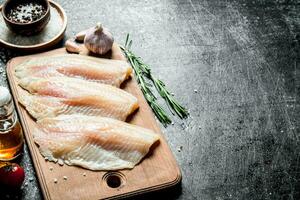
{"points": [[179, 149], [60, 162]]}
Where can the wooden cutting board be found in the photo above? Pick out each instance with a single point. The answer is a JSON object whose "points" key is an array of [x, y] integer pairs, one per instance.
{"points": [[156, 171]]}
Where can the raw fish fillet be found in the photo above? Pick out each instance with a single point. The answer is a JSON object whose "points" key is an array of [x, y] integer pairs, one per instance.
{"points": [[112, 72], [95, 143], [63, 95]]}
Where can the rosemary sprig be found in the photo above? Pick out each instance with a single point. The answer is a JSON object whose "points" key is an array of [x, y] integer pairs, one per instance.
{"points": [[143, 70], [171, 101], [145, 87]]}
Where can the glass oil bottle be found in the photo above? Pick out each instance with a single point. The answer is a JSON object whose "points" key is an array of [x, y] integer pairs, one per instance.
{"points": [[11, 136]]}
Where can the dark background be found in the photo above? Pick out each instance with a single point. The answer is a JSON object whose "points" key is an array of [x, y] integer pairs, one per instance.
{"points": [[235, 65]]}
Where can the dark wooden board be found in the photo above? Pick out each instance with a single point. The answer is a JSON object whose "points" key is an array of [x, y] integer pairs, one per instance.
{"points": [[158, 170]]}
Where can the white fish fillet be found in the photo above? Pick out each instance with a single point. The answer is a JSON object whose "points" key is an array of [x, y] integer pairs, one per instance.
{"points": [[112, 72], [95, 143], [64, 95]]}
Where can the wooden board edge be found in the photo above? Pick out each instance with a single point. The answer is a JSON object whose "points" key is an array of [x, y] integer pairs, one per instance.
{"points": [[167, 185]]}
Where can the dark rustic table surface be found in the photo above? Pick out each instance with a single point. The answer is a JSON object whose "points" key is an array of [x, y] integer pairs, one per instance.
{"points": [[235, 65]]}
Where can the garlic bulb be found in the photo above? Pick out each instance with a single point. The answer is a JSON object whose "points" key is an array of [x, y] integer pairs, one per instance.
{"points": [[98, 39]]}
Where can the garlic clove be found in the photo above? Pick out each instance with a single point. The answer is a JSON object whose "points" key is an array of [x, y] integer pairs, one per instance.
{"points": [[98, 39], [80, 36], [72, 47]]}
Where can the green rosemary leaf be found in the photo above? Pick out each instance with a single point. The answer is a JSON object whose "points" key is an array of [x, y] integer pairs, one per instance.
{"points": [[127, 38], [129, 45]]}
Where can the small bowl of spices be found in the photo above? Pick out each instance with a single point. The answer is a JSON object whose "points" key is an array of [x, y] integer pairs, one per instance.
{"points": [[26, 17]]}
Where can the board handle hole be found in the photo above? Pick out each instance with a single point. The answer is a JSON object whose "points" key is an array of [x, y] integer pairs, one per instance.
{"points": [[114, 179]]}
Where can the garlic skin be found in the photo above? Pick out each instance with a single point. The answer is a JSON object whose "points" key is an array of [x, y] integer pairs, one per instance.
{"points": [[98, 40]]}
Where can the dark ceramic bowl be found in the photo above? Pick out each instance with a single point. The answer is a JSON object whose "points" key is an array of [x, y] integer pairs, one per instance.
{"points": [[28, 28]]}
